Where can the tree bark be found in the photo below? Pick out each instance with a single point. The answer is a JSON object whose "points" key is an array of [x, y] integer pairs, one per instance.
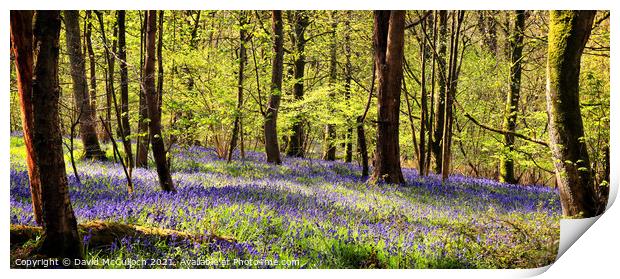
{"points": [[271, 116], [389, 29], [348, 70], [330, 129], [296, 142], [243, 40], [361, 135], [86, 117], [61, 237], [22, 48], [423, 104], [568, 34], [457, 19], [122, 56], [142, 142], [152, 102], [91, 67], [109, 85], [433, 42], [160, 64], [440, 101], [506, 170]]}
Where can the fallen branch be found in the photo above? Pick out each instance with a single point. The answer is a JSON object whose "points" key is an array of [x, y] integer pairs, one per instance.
{"points": [[103, 234]]}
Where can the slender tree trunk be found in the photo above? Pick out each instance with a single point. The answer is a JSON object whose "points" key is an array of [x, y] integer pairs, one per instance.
{"points": [[271, 132], [243, 40], [457, 19], [452, 80], [423, 105], [109, 86], [122, 56], [389, 31], [568, 34], [361, 135], [348, 69], [295, 146], [431, 119], [142, 142], [60, 238], [330, 129], [152, 102], [22, 48], [440, 101], [91, 67], [160, 64], [506, 169], [88, 131], [361, 146]]}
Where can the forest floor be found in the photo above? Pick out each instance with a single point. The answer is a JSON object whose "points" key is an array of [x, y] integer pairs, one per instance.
{"points": [[303, 214]]}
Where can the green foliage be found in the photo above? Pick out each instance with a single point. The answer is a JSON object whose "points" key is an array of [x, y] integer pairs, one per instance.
{"points": [[200, 85]]}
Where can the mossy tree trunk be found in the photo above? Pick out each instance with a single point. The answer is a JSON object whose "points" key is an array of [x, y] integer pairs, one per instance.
{"points": [[348, 70], [506, 164], [440, 98], [568, 34]]}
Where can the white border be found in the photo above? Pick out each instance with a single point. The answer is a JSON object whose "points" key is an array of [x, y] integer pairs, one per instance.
{"points": [[594, 255]]}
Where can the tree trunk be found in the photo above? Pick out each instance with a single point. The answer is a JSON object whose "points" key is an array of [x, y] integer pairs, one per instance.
{"points": [[243, 40], [457, 19], [389, 29], [568, 34], [430, 113], [86, 117], [271, 116], [361, 145], [295, 146], [330, 129], [21, 46], [488, 30], [506, 169], [109, 85], [122, 56], [348, 69], [440, 101], [361, 135], [91, 67], [152, 102], [142, 142], [61, 237], [160, 64], [423, 105]]}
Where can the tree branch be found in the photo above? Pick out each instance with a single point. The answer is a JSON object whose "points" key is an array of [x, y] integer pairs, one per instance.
{"points": [[505, 132], [412, 24]]}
